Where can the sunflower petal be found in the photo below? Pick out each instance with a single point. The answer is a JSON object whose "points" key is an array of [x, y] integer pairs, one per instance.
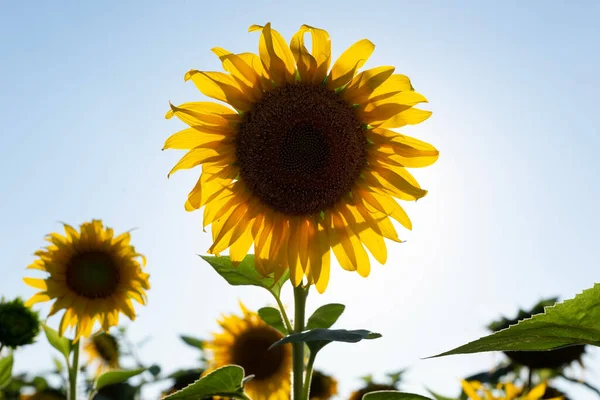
{"points": [[392, 182], [412, 116], [221, 87], [276, 56], [242, 72], [362, 86], [394, 84], [189, 138], [36, 283], [200, 155], [350, 61]]}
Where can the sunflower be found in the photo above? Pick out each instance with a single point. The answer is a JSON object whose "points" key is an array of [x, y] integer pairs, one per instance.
{"points": [[103, 349], [245, 341], [370, 388], [322, 387], [304, 160], [19, 325], [474, 389], [93, 276]]}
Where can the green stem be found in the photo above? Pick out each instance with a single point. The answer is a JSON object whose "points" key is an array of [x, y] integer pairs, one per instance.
{"points": [[286, 320], [309, 372], [298, 348], [73, 373]]}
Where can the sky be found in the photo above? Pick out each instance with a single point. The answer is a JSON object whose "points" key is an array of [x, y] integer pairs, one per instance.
{"points": [[511, 215]]}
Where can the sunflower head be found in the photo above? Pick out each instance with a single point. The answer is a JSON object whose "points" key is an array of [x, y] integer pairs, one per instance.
{"points": [[370, 388], [553, 359], [19, 324], [103, 349], [477, 391], [93, 275], [303, 160], [245, 341], [322, 387]]}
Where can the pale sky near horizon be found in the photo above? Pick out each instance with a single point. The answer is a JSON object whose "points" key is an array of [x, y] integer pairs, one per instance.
{"points": [[511, 215]]}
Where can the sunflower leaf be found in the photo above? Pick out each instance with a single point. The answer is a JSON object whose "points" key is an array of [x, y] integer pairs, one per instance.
{"points": [[393, 395], [60, 343], [6, 365], [325, 316], [318, 338], [245, 273], [192, 341], [272, 317], [572, 322], [225, 382], [115, 376]]}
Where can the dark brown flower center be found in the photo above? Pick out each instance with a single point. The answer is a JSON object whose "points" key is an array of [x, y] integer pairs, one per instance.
{"points": [[251, 351], [93, 274], [107, 347], [300, 149]]}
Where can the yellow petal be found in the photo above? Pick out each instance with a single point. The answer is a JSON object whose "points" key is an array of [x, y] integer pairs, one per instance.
{"points": [[346, 246], [386, 205], [276, 56], [36, 283], [305, 62], [189, 138], [38, 298], [394, 84], [312, 67], [223, 240], [209, 184], [204, 113], [409, 98], [242, 72], [412, 116], [363, 85], [393, 183], [537, 392], [401, 150], [219, 86], [201, 155], [349, 62], [470, 390], [372, 240], [322, 277], [239, 249]]}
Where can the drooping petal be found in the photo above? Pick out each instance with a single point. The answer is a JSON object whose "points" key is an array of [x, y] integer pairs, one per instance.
{"points": [[275, 54], [312, 68], [395, 183], [350, 61], [242, 72]]}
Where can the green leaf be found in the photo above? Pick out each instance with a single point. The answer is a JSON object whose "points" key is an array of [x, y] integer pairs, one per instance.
{"points": [[393, 395], [58, 365], [318, 338], [573, 322], [117, 376], [245, 273], [325, 316], [60, 343], [272, 317], [192, 341], [225, 382], [6, 365]]}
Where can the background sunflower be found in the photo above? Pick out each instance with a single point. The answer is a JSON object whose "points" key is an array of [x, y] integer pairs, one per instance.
{"points": [[102, 350]]}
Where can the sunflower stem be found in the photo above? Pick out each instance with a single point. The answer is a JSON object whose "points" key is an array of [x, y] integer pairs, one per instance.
{"points": [[309, 373], [73, 372], [300, 295], [286, 320]]}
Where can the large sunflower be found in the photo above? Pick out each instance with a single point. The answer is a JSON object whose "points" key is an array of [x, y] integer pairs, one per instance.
{"points": [[93, 276], [304, 160], [103, 350], [245, 342], [476, 391]]}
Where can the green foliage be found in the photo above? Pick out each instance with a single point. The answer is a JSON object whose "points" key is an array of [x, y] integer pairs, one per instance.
{"points": [[224, 382], [19, 324], [325, 316], [60, 343], [392, 395], [245, 273], [272, 317], [117, 376], [6, 365], [573, 322], [192, 341], [318, 338]]}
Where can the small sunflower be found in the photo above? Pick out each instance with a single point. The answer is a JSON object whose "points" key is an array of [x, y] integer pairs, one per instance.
{"points": [[476, 391], [304, 160], [245, 341], [553, 359], [322, 387], [19, 324], [370, 388], [93, 276], [103, 349], [48, 394]]}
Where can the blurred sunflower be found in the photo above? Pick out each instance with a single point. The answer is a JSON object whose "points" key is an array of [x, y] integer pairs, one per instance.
{"points": [[370, 388], [305, 160], [322, 387], [245, 341], [553, 359], [93, 276], [103, 350], [19, 325], [476, 391]]}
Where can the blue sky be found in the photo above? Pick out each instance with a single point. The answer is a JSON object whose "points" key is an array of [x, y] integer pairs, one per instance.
{"points": [[511, 215]]}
